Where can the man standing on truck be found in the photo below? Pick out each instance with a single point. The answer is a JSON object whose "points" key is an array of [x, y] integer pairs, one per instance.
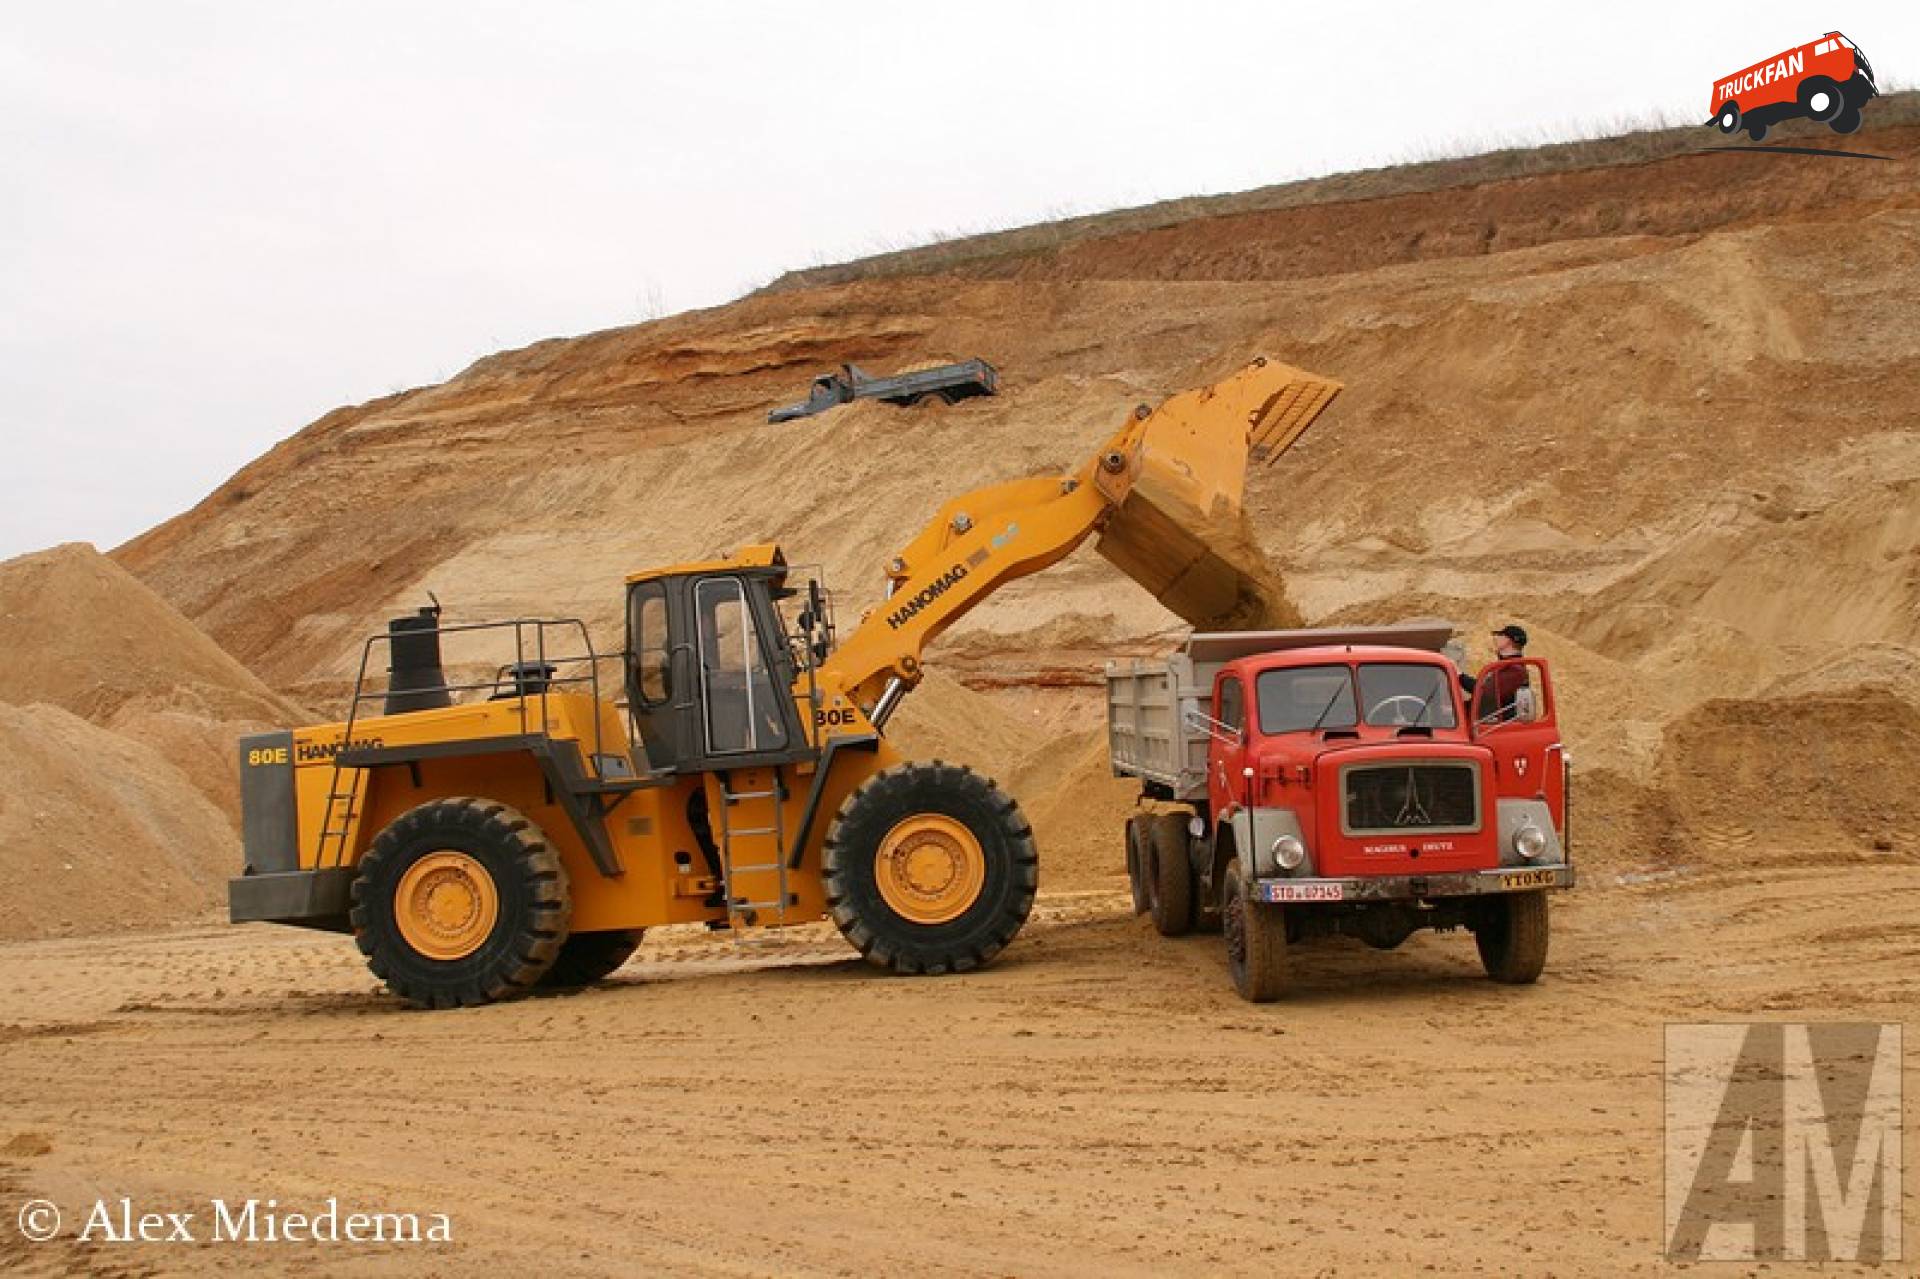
{"points": [[1509, 642]]}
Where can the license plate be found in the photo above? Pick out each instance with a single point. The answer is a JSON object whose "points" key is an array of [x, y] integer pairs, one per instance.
{"points": [[1527, 879], [1302, 892]]}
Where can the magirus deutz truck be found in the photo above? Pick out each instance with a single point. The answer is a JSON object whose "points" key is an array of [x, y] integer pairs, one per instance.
{"points": [[1303, 783]]}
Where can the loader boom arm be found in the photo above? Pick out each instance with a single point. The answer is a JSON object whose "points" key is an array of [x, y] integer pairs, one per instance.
{"points": [[1164, 493]]}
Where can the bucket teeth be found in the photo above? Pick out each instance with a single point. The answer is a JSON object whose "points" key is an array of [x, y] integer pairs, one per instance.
{"points": [[1286, 417]]}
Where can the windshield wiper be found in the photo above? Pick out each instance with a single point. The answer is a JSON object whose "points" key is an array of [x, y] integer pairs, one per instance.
{"points": [[1327, 709]]}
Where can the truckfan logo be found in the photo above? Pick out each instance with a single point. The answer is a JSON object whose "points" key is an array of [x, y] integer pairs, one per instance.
{"points": [[1828, 80]]}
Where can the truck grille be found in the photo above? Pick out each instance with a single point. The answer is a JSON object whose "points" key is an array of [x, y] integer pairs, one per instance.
{"points": [[1398, 797]]}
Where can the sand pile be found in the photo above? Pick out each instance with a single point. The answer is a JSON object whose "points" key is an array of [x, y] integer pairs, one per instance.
{"points": [[84, 634], [100, 833]]}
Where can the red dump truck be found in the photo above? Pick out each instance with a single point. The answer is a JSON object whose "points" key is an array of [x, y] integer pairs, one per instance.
{"points": [[1340, 781]]}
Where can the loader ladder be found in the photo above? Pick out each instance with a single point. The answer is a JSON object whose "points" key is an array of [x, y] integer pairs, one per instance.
{"points": [[343, 803], [742, 907]]}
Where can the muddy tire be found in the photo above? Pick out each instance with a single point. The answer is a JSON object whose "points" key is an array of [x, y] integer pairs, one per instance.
{"points": [[460, 902], [588, 958], [1169, 875], [1512, 937], [1256, 936], [1136, 858], [929, 868]]}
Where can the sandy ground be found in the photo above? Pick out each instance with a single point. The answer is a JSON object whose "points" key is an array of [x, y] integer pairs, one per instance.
{"points": [[1097, 1102]]}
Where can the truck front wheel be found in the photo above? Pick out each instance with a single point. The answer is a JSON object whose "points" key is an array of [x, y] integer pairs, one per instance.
{"points": [[929, 868], [1256, 934], [1512, 936]]}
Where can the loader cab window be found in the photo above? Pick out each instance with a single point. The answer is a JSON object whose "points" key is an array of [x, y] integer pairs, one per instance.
{"points": [[647, 646], [742, 713]]}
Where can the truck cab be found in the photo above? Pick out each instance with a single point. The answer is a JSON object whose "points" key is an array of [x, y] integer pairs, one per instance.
{"points": [[1369, 756], [1344, 782]]}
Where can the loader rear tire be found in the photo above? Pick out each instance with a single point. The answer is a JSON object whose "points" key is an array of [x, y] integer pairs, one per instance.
{"points": [[1512, 936], [929, 868], [460, 902], [1170, 874], [588, 958]]}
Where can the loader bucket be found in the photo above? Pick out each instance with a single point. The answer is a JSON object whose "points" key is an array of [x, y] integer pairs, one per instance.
{"points": [[1178, 480]]}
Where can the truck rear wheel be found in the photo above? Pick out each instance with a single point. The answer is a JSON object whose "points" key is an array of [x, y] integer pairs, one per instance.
{"points": [[1136, 858], [1729, 118], [460, 902], [1256, 934], [930, 868], [1512, 937], [1169, 874], [587, 958]]}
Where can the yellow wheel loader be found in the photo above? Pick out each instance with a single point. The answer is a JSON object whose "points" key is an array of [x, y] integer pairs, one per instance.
{"points": [[485, 837]]}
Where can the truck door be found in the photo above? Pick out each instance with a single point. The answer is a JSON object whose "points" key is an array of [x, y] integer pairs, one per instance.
{"points": [[1514, 716], [1225, 786]]}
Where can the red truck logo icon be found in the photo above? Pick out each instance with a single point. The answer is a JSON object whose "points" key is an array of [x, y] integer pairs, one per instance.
{"points": [[1828, 80]]}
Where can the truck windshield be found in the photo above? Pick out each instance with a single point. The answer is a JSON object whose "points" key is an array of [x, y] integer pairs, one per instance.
{"points": [[1406, 695], [1304, 697]]}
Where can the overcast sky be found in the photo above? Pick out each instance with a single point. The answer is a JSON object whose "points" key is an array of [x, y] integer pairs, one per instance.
{"points": [[218, 221]]}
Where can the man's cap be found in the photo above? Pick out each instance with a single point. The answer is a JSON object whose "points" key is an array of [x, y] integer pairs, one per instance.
{"points": [[1518, 634]]}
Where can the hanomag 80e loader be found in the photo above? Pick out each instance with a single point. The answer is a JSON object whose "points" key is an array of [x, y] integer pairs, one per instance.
{"points": [[527, 835]]}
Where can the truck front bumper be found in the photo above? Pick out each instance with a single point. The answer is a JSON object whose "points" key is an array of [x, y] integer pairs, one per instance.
{"points": [[1400, 888]]}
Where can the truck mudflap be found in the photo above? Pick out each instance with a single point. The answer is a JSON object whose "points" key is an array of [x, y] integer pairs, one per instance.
{"points": [[1381, 888], [314, 898]]}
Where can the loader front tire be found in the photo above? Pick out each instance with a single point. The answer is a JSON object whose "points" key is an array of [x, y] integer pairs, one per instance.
{"points": [[460, 902], [588, 958], [929, 868]]}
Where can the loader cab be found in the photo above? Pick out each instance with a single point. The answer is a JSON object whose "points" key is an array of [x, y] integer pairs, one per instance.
{"points": [[710, 669]]}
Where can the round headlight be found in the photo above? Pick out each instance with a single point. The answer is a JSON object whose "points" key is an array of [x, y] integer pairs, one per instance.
{"points": [[1530, 842], [1289, 852]]}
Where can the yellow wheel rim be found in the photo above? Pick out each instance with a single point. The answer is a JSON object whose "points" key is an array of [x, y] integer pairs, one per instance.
{"points": [[930, 869], [446, 905]]}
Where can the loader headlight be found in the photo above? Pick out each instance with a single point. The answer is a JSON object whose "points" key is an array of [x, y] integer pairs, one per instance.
{"points": [[1530, 842], [1289, 852]]}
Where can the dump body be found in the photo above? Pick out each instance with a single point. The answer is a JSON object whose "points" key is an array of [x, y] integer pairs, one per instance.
{"points": [[948, 382]]}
